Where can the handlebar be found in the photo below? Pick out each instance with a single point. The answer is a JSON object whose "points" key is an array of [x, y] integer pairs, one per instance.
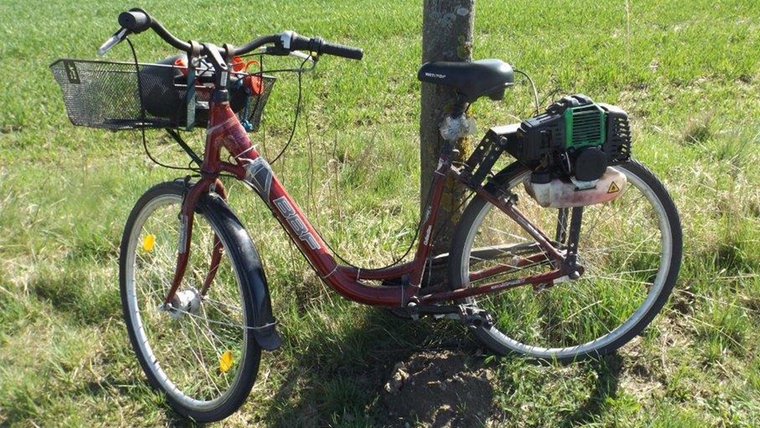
{"points": [[293, 41], [137, 20]]}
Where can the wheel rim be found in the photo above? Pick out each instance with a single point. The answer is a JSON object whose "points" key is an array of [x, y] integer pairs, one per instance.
{"points": [[626, 269], [195, 354]]}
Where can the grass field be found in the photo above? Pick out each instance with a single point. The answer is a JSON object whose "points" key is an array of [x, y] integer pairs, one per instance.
{"points": [[688, 73]]}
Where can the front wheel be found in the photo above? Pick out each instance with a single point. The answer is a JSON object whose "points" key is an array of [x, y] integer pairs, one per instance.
{"points": [[630, 249], [200, 351]]}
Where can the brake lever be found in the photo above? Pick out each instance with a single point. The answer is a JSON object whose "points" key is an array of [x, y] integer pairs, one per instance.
{"points": [[117, 37], [303, 55], [273, 50]]}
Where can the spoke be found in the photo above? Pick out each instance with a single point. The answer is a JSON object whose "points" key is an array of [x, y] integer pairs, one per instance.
{"points": [[618, 279], [509, 234], [227, 324], [232, 308], [205, 372], [204, 367]]}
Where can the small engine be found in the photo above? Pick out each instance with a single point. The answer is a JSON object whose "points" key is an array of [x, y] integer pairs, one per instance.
{"points": [[571, 150], [575, 138]]}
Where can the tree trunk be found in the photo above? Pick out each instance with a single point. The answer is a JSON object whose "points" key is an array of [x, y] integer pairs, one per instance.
{"points": [[447, 27]]}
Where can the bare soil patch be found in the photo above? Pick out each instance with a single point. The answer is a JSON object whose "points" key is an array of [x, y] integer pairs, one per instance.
{"points": [[438, 389]]}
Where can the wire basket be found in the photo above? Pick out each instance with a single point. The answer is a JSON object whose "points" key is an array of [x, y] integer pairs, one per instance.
{"points": [[101, 94]]}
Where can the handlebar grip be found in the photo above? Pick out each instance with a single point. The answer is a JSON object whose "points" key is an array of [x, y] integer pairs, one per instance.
{"points": [[342, 51], [135, 20], [293, 41]]}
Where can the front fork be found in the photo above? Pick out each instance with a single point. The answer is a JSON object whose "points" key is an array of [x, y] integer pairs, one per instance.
{"points": [[186, 219]]}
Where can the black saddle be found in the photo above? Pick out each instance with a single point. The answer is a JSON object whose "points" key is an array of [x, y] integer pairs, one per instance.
{"points": [[485, 77]]}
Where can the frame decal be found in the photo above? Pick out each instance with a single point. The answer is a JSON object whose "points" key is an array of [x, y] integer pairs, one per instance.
{"points": [[259, 175], [295, 222]]}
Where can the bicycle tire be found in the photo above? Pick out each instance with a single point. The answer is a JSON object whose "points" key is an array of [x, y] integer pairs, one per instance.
{"points": [[630, 248], [203, 357]]}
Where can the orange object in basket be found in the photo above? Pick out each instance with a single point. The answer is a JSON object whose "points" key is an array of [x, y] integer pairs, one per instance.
{"points": [[254, 84], [182, 65]]}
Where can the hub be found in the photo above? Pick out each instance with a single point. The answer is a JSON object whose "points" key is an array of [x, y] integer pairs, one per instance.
{"points": [[185, 302]]}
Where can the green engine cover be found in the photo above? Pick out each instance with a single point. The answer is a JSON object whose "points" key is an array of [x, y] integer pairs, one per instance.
{"points": [[585, 126]]}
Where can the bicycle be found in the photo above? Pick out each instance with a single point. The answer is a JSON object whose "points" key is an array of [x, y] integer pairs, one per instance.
{"points": [[566, 253]]}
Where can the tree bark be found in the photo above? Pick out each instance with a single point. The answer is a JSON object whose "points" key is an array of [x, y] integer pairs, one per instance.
{"points": [[447, 28]]}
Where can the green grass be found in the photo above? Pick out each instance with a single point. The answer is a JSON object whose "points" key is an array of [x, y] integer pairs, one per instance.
{"points": [[688, 72]]}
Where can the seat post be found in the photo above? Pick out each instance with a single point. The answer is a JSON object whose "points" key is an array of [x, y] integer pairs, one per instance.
{"points": [[460, 107]]}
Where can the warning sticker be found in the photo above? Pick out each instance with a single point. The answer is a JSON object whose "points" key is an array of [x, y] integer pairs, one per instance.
{"points": [[613, 188]]}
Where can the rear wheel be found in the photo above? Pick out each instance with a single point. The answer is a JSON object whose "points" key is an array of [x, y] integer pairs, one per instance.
{"points": [[201, 351], [630, 249]]}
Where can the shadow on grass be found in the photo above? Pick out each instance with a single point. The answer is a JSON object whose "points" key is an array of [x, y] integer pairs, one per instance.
{"points": [[342, 384], [608, 370], [139, 398], [425, 374]]}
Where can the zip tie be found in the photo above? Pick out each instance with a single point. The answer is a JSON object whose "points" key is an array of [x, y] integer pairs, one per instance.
{"points": [[245, 151], [262, 327], [335, 269]]}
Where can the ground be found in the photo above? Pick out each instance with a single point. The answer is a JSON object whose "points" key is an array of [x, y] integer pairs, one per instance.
{"points": [[443, 389]]}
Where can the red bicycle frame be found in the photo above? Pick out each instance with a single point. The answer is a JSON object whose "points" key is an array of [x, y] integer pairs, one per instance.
{"points": [[225, 131]]}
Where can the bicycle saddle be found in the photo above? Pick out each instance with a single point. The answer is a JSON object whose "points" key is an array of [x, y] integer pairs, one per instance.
{"points": [[485, 77]]}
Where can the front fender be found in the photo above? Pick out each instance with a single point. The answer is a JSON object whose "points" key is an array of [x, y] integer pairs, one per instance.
{"points": [[251, 270]]}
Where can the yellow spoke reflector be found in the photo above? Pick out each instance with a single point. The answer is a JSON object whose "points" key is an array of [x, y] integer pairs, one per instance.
{"points": [[225, 362], [148, 242]]}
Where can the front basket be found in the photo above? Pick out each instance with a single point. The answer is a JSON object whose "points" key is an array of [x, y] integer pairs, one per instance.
{"points": [[101, 94]]}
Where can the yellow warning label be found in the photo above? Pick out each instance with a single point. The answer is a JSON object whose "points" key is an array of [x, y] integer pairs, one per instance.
{"points": [[613, 188]]}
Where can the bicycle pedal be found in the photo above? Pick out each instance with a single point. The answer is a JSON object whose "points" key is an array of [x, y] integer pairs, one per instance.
{"points": [[476, 318]]}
